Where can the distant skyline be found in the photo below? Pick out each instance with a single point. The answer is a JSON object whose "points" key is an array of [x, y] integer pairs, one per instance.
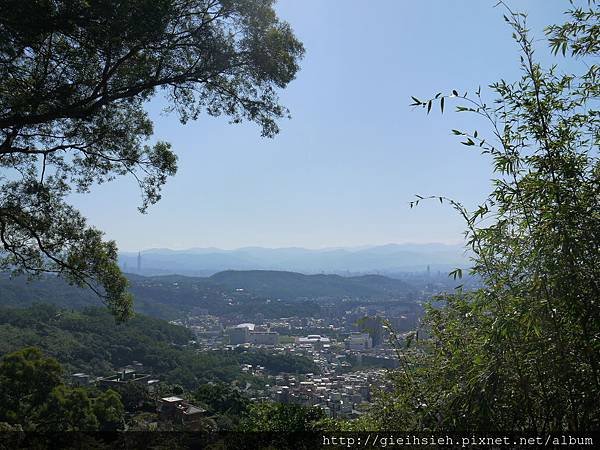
{"points": [[342, 171], [366, 259]]}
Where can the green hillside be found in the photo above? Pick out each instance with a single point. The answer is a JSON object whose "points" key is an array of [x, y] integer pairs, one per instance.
{"points": [[292, 285], [229, 293], [91, 341], [167, 297]]}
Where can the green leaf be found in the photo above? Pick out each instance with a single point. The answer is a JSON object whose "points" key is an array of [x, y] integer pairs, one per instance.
{"points": [[456, 273], [417, 102]]}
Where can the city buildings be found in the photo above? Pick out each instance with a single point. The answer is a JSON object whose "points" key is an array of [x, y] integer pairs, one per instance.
{"points": [[349, 347], [359, 341], [245, 333]]}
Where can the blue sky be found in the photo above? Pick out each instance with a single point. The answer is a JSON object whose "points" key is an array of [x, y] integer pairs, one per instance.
{"points": [[343, 169]]}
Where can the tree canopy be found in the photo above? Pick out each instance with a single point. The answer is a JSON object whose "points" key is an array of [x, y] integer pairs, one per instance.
{"points": [[74, 78], [281, 418], [33, 397], [523, 352]]}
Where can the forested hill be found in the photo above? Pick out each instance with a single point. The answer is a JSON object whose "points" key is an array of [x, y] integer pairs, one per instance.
{"points": [[91, 341], [243, 293], [292, 285]]}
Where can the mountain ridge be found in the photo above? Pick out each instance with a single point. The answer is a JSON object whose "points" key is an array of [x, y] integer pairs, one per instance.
{"points": [[227, 292], [387, 258]]}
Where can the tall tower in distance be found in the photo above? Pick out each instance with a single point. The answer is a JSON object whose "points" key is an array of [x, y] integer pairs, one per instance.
{"points": [[139, 262]]}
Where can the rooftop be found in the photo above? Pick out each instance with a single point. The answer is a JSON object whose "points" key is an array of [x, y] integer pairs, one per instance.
{"points": [[172, 399]]}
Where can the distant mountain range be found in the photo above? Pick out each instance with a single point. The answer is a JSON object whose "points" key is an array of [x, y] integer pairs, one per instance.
{"points": [[391, 258]]}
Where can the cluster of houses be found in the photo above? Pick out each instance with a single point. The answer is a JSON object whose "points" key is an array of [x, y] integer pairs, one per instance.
{"points": [[172, 411], [339, 396]]}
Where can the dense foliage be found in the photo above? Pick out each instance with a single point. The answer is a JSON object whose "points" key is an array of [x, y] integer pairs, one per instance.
{"points": [[74, 78], [33, 397], [162, 297], [293, 285], [281, 418], [227, 405], [523, 352], [168, 294], [91, 341], [277, 363]]}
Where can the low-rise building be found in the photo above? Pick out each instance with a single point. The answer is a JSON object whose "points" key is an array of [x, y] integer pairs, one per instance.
{"points": [[177, 411], [359, 341], [264, 337], [240, 334], [124, 377], [315, 340], [80, 379]]}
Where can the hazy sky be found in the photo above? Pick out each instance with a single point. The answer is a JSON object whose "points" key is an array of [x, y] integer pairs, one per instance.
{"points": [[344, 168]]}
